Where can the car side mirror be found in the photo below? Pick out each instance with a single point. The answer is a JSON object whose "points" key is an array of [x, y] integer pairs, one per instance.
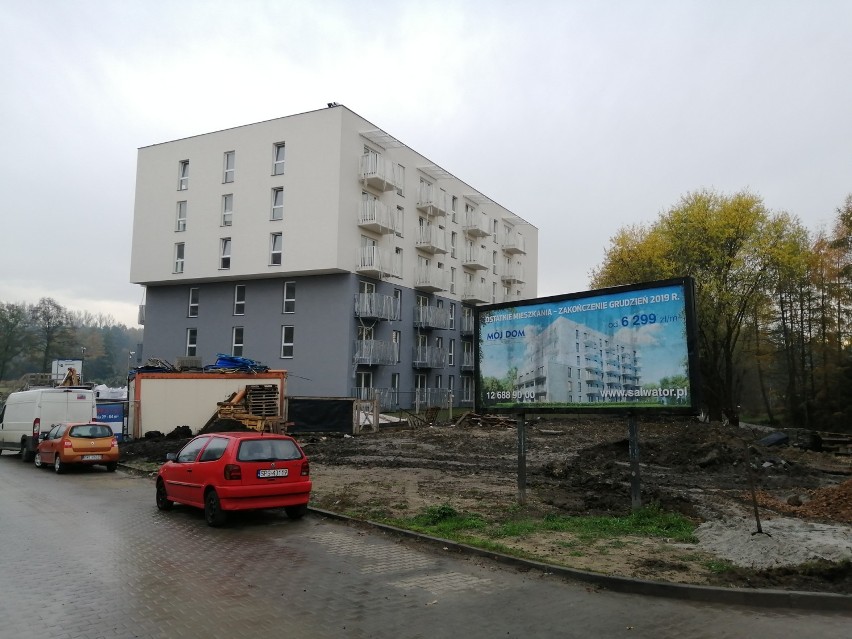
{"points": [[171, 456]]}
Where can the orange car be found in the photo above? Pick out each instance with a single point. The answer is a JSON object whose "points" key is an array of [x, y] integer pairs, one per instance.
{"points": [[81, 443]]}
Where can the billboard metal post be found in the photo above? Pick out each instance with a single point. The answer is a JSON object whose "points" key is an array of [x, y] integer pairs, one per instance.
{"points": [[522, 460], [635, 479]]}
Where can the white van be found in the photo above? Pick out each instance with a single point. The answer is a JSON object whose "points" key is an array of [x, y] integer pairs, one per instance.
{"points": [[29, 413]]}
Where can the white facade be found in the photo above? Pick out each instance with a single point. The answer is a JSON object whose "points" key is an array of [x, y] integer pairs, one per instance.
{"points": [[342, 211]]}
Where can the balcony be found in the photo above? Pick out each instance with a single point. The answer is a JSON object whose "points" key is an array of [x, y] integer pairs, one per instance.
{"points": [[377, 172], [428, 357], [514, 243], [431, 199], [371, 352], [467, 325], [467, 361], [430, 278], [475, 224], [476, 293], [477, 259], [378, 217], [513, 273], [373, 261], [431, 317], [376, 306], [431, 239]]}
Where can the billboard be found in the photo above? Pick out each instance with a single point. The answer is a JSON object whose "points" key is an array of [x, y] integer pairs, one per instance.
{"points": [[627, 348]]}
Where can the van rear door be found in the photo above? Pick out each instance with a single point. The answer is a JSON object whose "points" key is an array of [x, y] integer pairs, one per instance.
{"points": [[66, 405]]}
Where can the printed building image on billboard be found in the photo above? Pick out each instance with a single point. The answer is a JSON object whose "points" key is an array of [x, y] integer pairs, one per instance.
{"points": [[612, 350]]}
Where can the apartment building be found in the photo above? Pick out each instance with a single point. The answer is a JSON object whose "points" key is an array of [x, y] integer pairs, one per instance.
{"points": [[570, 363], [320, 244]]}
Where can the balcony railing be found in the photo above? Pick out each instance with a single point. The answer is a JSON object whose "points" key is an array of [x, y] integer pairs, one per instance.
{"points": [[431, 199], [474, 257], [376, 306], [371, 352], [429, 357], [431, 239], [430, 278], [376, 262], [378, 217], [467, 324], [377, 172], [431, 317], [476, 293], [467, 361], [513, 273], [424, 397], [475, 223], [513, 243]]}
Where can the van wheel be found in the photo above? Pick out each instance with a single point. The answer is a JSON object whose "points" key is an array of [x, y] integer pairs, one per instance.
{"points": [[58, 466], [26, 455]]}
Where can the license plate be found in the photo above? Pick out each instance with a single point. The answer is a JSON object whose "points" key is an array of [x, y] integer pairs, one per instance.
{"points": [[91, 457], [271, 472]]}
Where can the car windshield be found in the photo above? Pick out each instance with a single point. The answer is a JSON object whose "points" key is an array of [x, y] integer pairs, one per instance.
{"points": [[92, 431], [268, 450]]}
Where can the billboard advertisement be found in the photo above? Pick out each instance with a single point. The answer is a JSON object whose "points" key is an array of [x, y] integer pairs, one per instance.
{"points": [[621, 349]]}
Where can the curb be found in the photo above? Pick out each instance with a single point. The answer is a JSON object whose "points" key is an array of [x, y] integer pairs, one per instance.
{"points": [[786, 599]]}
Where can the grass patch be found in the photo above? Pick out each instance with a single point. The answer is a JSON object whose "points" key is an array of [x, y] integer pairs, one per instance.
{"points": [[717, 566], [445, 521]]}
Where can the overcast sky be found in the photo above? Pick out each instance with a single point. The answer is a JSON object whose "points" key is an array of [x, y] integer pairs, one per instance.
{"points": [[581, 117]]}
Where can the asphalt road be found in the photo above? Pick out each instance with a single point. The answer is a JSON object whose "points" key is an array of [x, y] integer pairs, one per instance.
{"points": [[88, 555]]}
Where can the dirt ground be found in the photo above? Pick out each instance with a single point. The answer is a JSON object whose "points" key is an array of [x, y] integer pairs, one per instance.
{"points": [[801, 538]]}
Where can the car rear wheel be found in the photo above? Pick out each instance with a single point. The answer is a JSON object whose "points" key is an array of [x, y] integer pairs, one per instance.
{"points": [[58, 466], [163, 501], [37, 460], [213, 512], [296, 512]]}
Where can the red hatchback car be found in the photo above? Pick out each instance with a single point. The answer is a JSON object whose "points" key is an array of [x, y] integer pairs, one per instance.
{"points": [[249, 470]]}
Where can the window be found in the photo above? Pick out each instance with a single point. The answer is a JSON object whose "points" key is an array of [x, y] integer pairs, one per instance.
{"points": [[395, 388], [277, 204], [180, 222], [191, 342], [237, 341], [452, 316], [452, 279], [364, 382], [240, 299], [183, 175], [227, 209], [225, 253], [400, 220], [400, 180], [289, 297], [453, 238], [230, 157], [287, 341], [278, 159], [276, 241], [396, 338], [179, 251], [397, 263], [365, 333], [451, 383], [494, 262], [194, 294], [454, 203], [494, 225]]}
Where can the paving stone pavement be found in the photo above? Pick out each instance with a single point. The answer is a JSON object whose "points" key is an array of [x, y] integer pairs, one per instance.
{"points": [[88, 555]]}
